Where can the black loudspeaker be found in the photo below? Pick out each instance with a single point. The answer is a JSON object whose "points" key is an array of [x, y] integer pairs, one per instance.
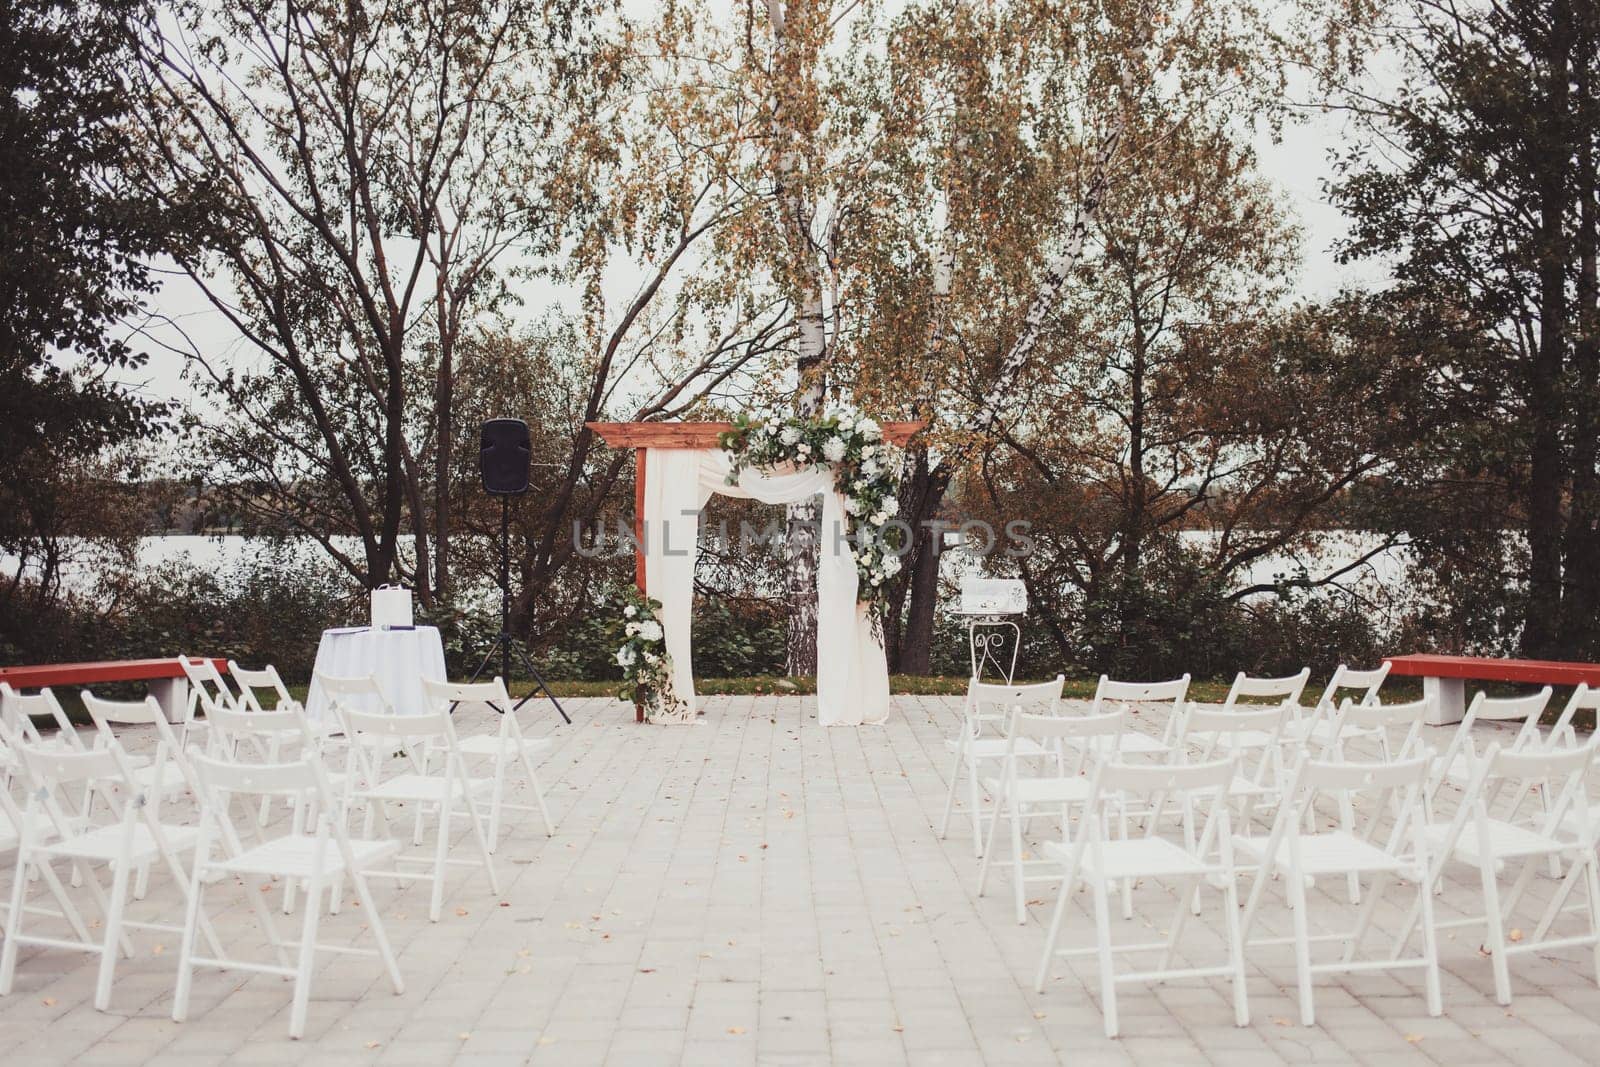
{"points": [[503, 456]]}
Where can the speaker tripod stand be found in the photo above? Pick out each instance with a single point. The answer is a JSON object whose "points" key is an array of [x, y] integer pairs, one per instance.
{"points": [[503, 643]]}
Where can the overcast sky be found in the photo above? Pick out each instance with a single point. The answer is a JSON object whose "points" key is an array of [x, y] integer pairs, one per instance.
{"points": [[1298, 165]]}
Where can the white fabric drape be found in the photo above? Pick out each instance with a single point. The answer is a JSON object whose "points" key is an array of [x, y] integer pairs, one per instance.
{"points": [[852, 671]]}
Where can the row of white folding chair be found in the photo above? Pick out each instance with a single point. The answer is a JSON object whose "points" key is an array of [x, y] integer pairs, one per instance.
{"points": [[981, 741], [1491, 842], [1097, 860], [322, 858], [1289, 854], [130, 839], [410, 759]]}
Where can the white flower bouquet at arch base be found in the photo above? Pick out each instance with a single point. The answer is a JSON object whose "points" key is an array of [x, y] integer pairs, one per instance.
{"points": [[646, 667], [865, 473]]}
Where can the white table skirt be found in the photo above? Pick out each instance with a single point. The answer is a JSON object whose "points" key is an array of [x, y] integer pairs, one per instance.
{"points": [[399, 659]]}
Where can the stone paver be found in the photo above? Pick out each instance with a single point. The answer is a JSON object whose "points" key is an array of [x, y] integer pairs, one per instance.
{"points": [[755, 889]]}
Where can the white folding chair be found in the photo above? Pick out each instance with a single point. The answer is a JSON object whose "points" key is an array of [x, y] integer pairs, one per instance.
{"points": [[1250, 694], [11, 819], [1054, 788], [322, 859], [1206, 734], [1317, 727], [1097, 862], [982, 738], [1520, 715], [1477, 837], [1134, 698], [1297, 857], [206, 688], [21, 709], [378, 742], [133, 840], [505, 746]]}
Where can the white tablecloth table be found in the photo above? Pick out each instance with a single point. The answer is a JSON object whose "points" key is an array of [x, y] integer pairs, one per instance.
{"points": [[399, 659]]}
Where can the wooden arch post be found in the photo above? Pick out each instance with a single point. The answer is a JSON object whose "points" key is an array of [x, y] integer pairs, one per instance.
{"points": [[643, 436]]}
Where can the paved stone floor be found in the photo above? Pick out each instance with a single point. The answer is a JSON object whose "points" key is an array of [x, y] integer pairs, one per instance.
{"points": [[757, 889]]}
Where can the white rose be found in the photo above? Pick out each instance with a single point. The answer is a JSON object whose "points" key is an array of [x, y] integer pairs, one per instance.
{"points": [[869, 427], [630, 611], [631, 629], [852, 505], [833, 449], [650, 631], [625, 656], [789, 435], [891, 565], [881, 518], [870, 467]]}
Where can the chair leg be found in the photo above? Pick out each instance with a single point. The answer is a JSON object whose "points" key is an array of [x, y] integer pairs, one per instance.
{"points": [[15, 917], [1019, 890], [1302, 947], [538, 794], [975, 805], [988, 849], [498, 798], [1054, 934], [1230, 904], [483, 842], [950, 794], [306, 963], [375, 921], [191, 920], [1108, 977], [1430, 949], [108, 954], [1495, 928], [440, 852]]}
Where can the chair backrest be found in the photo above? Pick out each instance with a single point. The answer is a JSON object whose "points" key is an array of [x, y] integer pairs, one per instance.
{"points": [[1408, 716], [233, 730], [21, 709], [206, 686], [1221, 730], [1400, 785], [344, 693], [249, 681], [1286, 689], [1111, 691], [1485, 708], [1583, 698], [994, 702], [1166, 779], [494, 693], [1350, 776], [294, 778], [1368, 682], [109, 714], [49, 768]]}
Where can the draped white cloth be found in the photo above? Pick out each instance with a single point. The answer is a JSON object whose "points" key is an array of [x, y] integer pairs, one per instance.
{"points": [[852, 671]]}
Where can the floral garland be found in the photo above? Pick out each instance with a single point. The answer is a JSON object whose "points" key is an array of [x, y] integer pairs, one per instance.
{"points": [[853, 445], [646, 667]]}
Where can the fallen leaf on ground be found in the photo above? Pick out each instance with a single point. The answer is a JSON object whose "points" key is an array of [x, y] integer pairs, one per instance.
{"points": [[48, 1002], [1515, 934], [897, 1028], [461, 911], [1281, 1021], [373, 1044], [735, 1029], [1415, 1039]]}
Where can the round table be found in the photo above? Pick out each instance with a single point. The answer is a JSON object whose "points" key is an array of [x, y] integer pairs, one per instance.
{"points": [[399, 659]]}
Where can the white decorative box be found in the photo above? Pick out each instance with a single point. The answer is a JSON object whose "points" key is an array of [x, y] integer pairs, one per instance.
{"points": [[993, 596], [391, 606]]}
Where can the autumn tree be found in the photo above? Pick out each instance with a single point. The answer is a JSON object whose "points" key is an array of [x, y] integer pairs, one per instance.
{"points": [[1475, 178]]}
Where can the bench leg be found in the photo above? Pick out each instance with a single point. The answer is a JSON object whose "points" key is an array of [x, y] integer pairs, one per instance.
{"points": [[173, 696], [1447, 700]]}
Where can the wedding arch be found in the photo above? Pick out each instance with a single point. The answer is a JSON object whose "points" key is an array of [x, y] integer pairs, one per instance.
{"points": [[678, 466]]}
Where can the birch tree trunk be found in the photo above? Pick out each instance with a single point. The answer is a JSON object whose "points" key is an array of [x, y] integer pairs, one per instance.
{"points": [[794, 57]]}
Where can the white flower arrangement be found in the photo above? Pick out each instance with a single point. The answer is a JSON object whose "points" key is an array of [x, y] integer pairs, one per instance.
{"points": [[646, 666], [853, 445]]}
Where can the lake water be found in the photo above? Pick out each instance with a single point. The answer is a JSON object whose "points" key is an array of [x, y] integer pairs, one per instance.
{"points": [[1385, 574]]}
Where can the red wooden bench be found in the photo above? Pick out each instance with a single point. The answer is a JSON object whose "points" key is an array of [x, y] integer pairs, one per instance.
{"points": [[168, 684], [1444, 677]]}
